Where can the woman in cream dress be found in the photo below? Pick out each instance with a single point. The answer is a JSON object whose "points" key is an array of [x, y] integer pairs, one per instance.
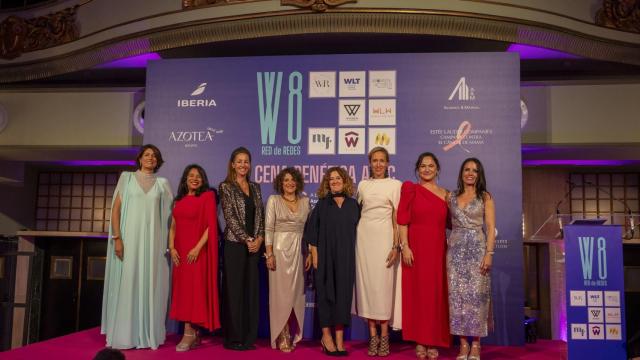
{"points": [[284, 224], [377, 271]]}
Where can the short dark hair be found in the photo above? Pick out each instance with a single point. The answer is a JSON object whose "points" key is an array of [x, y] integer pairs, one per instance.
{"points": [[156, 152], [295, 174], [109, 354]]}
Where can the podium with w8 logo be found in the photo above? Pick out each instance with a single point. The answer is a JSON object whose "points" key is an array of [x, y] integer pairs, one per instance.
{"points": [[594, 290]]}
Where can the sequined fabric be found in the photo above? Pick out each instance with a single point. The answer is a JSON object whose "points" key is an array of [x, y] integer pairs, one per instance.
{"points": [[469, 290], [233, 209], [146, 181]]}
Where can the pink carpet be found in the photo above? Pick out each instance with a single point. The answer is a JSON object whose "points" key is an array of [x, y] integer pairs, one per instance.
{"points": [[84, 344]]}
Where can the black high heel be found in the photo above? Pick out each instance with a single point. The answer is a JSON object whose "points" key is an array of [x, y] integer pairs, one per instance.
{"points": [[326, 351]]}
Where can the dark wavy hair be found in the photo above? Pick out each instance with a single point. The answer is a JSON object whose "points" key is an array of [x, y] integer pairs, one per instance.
{"points": [[481, 182], [183, 188], [421, 157], [156, 152], [324, 189], [295, 174], [231, 172]]}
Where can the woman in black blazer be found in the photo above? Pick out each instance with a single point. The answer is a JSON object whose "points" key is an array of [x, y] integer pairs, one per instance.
{"points": [[241, 202]]}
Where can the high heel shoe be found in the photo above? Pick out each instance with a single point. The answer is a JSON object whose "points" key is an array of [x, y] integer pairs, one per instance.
{"points": [[326, 351], [283, 341], [464, 355], [432, 353], [421, 352], [383, 348], [186, 346], [372, 350], [474, 357]]}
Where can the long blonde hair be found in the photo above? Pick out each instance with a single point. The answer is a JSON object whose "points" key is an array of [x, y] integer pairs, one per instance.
{"points": [[324, 190]]}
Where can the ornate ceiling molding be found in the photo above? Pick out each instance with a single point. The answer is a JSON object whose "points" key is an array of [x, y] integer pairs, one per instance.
{"points": [[316, 5], [193, 4], [18, 35], [342, 21], [620, 15]]}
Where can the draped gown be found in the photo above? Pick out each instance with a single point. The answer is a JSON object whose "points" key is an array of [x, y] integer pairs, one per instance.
{"points": [[194, 290], [136, 289], [283, 230]]}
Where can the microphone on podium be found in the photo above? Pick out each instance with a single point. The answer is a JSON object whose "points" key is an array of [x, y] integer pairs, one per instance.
{"points": [[565, 197], [632, 226]]}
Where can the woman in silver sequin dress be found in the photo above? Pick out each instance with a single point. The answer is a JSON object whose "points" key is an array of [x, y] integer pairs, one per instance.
{"points": [[469, 258]]}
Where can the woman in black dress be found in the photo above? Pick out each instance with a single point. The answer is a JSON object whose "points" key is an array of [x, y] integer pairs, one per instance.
{"points": [[331, 234], [241, 202]]}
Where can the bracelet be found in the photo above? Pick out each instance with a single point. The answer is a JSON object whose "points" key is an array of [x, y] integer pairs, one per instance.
{"points": [[115, 237], [267, 256], [491, 252]]}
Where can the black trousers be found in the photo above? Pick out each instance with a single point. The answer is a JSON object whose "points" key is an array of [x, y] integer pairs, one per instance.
{"points": [[241, 294]]}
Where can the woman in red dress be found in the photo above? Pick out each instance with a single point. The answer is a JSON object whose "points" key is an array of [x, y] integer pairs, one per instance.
{"points": [[422, 216], [193, 242]]}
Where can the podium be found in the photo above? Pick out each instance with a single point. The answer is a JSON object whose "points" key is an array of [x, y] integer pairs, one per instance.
{"points": [[587, 282]]}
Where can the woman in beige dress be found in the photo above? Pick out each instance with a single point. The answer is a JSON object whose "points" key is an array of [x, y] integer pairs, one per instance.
{"points": [[378, 279], [284, 224]]}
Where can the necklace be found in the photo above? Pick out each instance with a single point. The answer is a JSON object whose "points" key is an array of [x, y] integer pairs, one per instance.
{"points": [[295, 199]]}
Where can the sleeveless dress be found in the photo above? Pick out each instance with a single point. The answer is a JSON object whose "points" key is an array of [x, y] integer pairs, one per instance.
{"points": [[469, 290], [136, 288], [283, 230]]}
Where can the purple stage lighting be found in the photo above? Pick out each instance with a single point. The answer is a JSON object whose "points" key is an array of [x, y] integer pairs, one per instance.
{"points": [[97, 163], [533, 52], [139, 61], [559, 162]]}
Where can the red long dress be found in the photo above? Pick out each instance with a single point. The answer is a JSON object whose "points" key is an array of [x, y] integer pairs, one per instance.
{"points": [[194, 294], [425, 307]]}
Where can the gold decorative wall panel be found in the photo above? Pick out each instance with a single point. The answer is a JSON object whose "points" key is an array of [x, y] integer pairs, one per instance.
{"points": [[620, 14], [18, 35]]}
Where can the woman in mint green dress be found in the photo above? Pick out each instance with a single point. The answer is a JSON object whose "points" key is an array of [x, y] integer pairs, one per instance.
{"points": [[136, 282]]}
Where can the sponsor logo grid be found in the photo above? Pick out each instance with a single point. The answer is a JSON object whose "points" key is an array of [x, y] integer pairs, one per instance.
{"points": [[364, 122], [603, 315]]}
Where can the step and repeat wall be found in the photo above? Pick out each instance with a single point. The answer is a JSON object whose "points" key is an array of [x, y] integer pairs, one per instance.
{"points": [[314, 112]]}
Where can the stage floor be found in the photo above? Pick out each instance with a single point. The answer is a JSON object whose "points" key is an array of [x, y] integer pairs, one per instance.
{"points": [[84, 345]]}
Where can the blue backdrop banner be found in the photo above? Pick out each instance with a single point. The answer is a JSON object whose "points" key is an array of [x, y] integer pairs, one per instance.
{"points": [[313, 112], [595, 292]]}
